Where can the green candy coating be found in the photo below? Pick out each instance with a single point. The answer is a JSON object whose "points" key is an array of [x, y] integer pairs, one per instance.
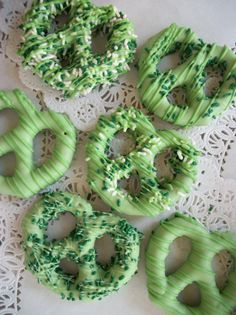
{"points": [[29, 179], [94, 281], [164, 290], [195, 55], [85, 70], [104, 173]]}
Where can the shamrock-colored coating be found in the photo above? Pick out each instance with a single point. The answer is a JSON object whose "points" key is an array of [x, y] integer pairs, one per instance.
{"points": [[105, 173], [84, 70], [190, 74], [164, 290], [28, 179], [94, 280]]}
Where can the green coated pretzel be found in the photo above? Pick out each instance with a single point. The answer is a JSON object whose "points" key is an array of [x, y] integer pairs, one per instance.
{"points": [[94, 281], [195, 56], [164, 290], [85, 70], [29, 179], [104, 173]]}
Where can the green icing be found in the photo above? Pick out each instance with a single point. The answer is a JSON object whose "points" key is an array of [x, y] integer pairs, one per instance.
{"points": [[164, 290], [104, 173], [43, 52], [29, 179], [195, 56], [94, 281]]}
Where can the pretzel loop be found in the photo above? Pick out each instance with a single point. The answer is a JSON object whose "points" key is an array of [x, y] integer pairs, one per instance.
{"points": [[29, 179], [104, 173], [190, 74], [44, 53], [164, 290], [94, 280]]}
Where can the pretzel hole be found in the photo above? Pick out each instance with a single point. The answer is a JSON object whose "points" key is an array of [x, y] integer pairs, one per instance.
{"points": [[99, 43], [168, 62], [122, 144], [178, 96], [58, 22], [190, 295], [9, 119], [213, 80], [223, 264], [8, 164], [179, 252], [43, 147], [65, 57], [162, 164], [130, 185], [105, 250], [61, 227], [69, 267]]}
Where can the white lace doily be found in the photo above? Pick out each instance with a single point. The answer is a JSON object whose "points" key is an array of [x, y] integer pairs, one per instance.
{"points": [[212, 200]]}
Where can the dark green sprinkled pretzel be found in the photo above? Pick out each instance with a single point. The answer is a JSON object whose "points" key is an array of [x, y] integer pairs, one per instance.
{"points": [[43, 52], [164, 290], [104, 173], [28, 179], [94, 281], [190, 74]]}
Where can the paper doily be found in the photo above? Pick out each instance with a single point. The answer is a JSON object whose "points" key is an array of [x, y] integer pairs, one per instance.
{"points": [[212, 200], [11, 13]]}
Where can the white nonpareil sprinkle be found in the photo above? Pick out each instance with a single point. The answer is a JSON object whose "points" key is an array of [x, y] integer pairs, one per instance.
{"points": [[126, 67], [181, 194], [102, 136], [180, 155], [74, 72], [146, 150]]}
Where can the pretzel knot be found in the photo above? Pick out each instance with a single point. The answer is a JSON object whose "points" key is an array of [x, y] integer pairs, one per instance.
{"points": [[29, 179], [104, 173], [46, 53], [93, 281], [190, 75], [164, 290]]}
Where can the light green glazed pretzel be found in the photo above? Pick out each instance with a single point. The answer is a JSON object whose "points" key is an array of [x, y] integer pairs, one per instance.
{"points": [[190, 74], [94, 281], [29, 179], [164, 290], [43, 53], [104, 173]]}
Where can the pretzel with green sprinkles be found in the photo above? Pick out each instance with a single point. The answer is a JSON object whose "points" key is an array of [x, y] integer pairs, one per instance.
{"points": [[105, 173], [28, 178], [164, 290], [94, 280], [44, 53], [190, 74]]}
